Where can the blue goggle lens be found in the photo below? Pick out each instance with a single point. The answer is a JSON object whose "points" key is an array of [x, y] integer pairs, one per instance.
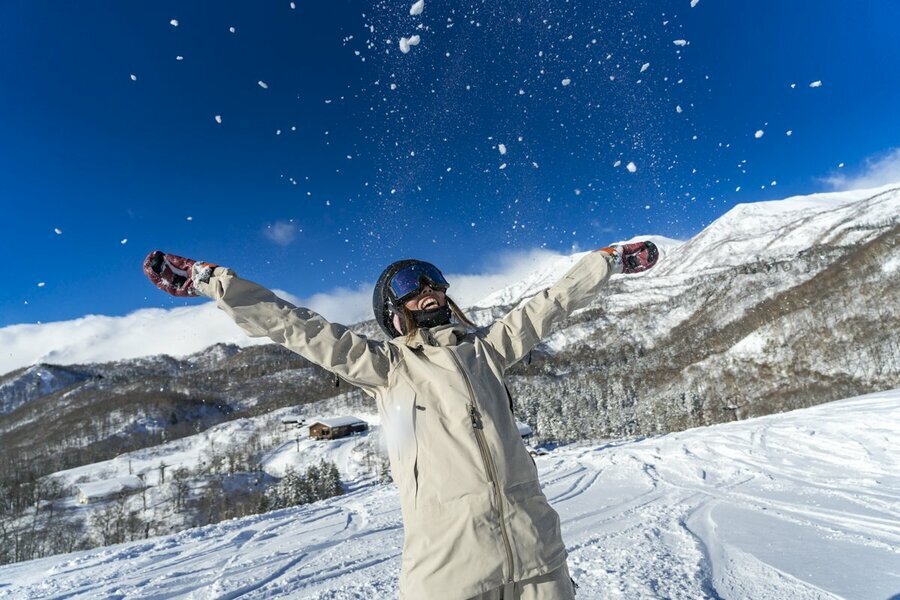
{"points": [[408, 280]]}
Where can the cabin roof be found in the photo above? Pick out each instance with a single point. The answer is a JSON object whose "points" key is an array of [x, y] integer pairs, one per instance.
{"points": [[340, 421]]}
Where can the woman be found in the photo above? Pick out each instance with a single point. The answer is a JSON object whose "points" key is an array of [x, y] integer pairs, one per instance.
{"points": [[476, 522]]}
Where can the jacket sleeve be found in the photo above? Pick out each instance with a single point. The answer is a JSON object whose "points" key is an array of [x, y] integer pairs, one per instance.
{"points": [[260, 313], [523, 328]]}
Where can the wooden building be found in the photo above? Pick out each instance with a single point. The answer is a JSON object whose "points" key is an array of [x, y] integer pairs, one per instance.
{"points": [[337, 427]]}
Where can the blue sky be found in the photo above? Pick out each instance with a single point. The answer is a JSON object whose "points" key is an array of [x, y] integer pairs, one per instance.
{"points": [[383, 155]]}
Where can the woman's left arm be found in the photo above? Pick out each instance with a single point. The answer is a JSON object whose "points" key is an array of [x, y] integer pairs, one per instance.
{"points": [[524, 327]]}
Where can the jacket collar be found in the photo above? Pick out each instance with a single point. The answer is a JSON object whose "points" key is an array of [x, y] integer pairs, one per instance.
{"points": [[443, 335]]}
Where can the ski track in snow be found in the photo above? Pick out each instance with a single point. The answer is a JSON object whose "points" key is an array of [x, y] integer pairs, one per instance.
{"points": [[800, 505]]}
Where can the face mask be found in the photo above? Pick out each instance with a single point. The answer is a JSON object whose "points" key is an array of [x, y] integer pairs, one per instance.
{"points": [[434, 317]]}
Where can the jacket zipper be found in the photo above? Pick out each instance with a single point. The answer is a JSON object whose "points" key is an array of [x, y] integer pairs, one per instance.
{"points": [[489, 468]]}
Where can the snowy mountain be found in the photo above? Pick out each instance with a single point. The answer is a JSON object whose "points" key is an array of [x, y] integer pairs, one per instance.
{"points": [[797, 505], [775, 306]]}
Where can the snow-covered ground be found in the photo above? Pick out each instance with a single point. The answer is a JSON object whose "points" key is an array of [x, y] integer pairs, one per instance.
{"points": [[799, 505]]}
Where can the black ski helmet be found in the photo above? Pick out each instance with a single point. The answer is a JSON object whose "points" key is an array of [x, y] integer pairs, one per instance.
{"points": [[382, 301]]}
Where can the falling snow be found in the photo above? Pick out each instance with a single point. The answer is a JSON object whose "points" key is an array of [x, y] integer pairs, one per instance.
{"points": [[406, 43]]}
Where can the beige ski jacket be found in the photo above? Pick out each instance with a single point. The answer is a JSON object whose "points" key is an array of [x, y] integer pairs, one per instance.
{"points": [[474, 514]]}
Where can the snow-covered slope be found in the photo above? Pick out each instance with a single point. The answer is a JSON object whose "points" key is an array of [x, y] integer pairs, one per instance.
{"points": [[780, 228], [797, 505]]}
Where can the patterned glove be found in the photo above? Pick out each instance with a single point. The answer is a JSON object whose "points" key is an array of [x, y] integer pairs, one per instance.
{"points": [[173, 274], [632, 258]]}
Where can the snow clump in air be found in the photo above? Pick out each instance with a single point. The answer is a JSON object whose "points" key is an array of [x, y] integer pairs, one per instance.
{"points": [[405, 43], [41, 284], [617, 164], [174, 22], [133, 77], [678, 109], [644, 67], [58, 231], [681, 43], [293, 6], [759, 133], [417, 8], [815, 84], [501, 148], [631, 167], [218, 119], [789, 132], [263, 84], [566, 81], [124, 241], [694, 3], [231, 29]]}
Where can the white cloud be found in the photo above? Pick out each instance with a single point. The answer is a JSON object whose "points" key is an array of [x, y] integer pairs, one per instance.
{"points": [[96, 338], [876, 171], [188, 329], [281, 232]]}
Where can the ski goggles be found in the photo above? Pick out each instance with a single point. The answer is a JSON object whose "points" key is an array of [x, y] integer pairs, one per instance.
{"points": [[410, 279]]}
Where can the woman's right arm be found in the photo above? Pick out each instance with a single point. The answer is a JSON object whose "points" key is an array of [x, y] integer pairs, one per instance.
{"points": [[260, 313]]}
